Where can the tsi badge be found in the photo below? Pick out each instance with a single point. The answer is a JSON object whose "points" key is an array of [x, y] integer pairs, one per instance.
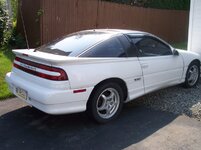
{"points": [[28, 67], [137, 79]]}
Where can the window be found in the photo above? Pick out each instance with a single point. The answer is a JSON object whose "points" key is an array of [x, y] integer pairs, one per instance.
{"points": [[74, 44], [149, 46], [130, 49], [108, 48]]}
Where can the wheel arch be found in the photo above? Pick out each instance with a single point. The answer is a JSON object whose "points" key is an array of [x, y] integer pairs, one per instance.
{"points": [[119, 81], [186, 84], [195, 61]]}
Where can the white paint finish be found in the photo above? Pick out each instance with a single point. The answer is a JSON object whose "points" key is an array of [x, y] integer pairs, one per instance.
{"points": [[123, 68], [188, 56], [54, 96], [135, 88], [141, 75], [94, 70], [45, 58], [52, 101], [161, 71], [194, 43]]}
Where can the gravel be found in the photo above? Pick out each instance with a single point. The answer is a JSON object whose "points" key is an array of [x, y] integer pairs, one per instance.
{"points": [[177, 100]]}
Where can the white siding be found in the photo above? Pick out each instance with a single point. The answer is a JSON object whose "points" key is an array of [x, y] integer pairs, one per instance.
{"points": [[194, 39]]}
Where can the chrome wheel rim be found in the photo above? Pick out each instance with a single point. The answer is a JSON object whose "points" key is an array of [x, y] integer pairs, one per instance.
{"points": [[108, 103], [193, 75]]}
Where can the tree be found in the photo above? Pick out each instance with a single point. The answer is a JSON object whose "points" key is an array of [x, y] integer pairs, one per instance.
{"points": [[14, 5], [160, 4]]}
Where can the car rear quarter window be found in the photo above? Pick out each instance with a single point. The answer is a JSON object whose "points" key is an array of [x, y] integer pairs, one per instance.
{"points": [[130, 49], [74, 44], [109, 48]]}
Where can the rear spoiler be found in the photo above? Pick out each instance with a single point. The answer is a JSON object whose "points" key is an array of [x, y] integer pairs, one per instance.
{"points": [[40, 56], [58, 59]]}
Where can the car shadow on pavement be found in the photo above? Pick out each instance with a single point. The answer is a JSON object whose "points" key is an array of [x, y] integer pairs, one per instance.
{"points": [[28, 128]]}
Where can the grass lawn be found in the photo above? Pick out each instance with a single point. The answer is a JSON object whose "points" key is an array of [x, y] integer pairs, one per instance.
{"points": [[182, 45], [6, 58]]}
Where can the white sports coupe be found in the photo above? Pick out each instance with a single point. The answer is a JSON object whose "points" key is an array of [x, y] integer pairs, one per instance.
{"points": [[98, 71]]}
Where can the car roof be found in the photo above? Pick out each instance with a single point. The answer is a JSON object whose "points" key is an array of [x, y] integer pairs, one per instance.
{"points": [[125, 31], [118, 31]]}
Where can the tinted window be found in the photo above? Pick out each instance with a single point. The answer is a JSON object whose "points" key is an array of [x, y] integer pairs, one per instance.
{"points": [[74, 44], [149, 46], [109, 48], [129, 48]]}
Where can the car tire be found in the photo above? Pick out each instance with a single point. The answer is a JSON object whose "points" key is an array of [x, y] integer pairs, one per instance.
{"points": [[106, 102], [192, 75]]}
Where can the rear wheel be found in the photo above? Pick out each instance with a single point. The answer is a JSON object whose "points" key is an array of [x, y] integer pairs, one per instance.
{"points": [[192, 75], [106, 102]]}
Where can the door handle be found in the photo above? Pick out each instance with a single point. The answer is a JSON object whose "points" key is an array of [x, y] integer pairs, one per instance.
{"points": [[144, 65]]}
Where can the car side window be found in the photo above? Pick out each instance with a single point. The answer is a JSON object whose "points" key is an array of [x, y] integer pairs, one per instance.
{"points": [[149, 46], [130, 49], [108, 48]]}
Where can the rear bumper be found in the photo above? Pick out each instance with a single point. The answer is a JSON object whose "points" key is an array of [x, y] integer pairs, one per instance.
{"points": [[49, 100]]}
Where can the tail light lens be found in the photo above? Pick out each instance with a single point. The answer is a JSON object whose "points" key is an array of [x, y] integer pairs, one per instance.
{"points": [[40, 70]]}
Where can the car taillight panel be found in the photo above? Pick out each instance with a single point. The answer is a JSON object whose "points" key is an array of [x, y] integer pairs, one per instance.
{"points": [[40, 70]]}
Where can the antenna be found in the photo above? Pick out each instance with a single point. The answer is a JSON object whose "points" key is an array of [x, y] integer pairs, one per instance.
{"points": [[25, 33]]}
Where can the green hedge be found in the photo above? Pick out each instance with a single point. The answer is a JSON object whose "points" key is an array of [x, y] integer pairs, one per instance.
{"points": [[3, 21], [159, 4]]}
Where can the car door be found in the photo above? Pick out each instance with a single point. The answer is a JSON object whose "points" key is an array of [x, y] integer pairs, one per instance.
{"points": [[127, 67], [135, 83], [160, 67]]}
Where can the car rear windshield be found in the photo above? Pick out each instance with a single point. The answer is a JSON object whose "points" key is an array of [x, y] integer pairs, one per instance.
{"points": [[74, 44]]}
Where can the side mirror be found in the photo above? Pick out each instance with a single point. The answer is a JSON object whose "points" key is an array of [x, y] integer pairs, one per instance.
{"points": [[175, 52]]}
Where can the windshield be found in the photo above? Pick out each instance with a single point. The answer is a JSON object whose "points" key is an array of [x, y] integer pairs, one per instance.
{"points": [[74, 44]]}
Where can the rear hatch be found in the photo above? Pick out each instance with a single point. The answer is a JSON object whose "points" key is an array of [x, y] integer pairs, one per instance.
{"points": [[48, 64]]}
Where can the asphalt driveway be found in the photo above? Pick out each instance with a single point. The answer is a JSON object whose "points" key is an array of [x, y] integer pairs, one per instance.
{"points": [[23, 127]]}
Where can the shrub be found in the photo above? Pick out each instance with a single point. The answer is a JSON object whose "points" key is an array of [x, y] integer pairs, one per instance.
{"points": [[8, 33], [4, 24], [16, 40]]}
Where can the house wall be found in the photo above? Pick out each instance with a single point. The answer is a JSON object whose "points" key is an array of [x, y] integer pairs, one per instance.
{"points": [[194, 41]]}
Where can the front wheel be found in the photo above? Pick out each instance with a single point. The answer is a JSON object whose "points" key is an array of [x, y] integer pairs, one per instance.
{"points": [[106, 102], [192, 75]]}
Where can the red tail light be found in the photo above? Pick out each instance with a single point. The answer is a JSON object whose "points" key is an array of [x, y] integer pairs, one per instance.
{"points": [[40, 70]]}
